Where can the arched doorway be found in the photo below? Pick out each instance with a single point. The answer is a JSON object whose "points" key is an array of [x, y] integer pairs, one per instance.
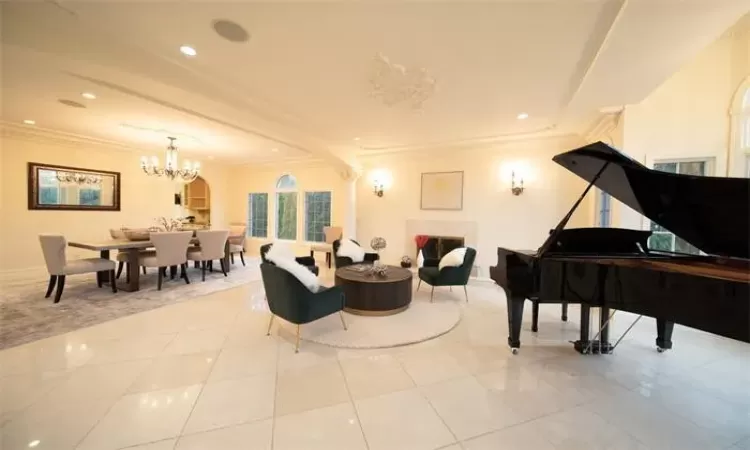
{"points": [[196, 202]]}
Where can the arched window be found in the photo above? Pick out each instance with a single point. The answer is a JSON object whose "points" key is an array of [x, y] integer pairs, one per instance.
{"points": [[740, 145], [286, 207]]}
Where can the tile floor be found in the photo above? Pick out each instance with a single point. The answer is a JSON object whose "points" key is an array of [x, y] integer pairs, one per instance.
{"points": [[203, 375]]}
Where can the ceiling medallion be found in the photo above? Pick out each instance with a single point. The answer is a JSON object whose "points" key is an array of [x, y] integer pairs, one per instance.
{"points": [[394, 84]]}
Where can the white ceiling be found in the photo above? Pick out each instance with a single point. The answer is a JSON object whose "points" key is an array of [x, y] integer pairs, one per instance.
{"points": [[300, 84]]}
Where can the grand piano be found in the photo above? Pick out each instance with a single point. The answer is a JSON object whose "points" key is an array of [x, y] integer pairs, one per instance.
{"points": [[613, 269]]}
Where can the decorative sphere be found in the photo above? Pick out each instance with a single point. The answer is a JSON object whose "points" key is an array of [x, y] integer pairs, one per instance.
{"points": [[380, 270], [406, 260], [377, 243]]}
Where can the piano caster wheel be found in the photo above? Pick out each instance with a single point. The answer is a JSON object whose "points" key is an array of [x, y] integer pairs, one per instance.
{"points": [[661, 350], [514, 351]]}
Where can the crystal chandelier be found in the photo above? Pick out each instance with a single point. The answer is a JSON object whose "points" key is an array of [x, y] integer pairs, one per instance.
{"points": [[396, 84], [78, 178], [171, 170]]}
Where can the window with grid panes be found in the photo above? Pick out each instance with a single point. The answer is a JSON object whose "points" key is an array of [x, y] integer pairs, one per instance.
{"points": [[257, 211], [663, 239], [317, 215], [286, 208]]}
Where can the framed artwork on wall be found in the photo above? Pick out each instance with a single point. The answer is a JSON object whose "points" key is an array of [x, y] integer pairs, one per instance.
{"points": [[442, 191]]}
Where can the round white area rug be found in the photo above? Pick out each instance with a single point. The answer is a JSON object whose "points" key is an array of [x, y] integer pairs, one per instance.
{"points": [[420, 322]]}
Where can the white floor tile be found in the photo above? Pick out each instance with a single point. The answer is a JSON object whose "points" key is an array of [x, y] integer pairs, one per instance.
{"points": [[167, 444], [197, 341], [173, 371], [129, 348], [520, 437], [249, 436], [374, 375], [232, 402], [309, 388], [402, 420], [469, 409], [331, 428], [430, 364], [142, 418], [240, 362]]}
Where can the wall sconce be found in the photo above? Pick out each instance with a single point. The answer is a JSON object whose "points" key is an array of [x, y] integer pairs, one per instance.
{"points": [[516, 189], [381, 180]]}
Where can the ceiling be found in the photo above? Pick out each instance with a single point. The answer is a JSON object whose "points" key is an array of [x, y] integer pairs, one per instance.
{"points": [[299, 87]]}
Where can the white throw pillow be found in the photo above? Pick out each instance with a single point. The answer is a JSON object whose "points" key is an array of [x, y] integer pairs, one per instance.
{"points": [[351, 250], [279, 250], [300, 272], [454, 258], [283, 256]]}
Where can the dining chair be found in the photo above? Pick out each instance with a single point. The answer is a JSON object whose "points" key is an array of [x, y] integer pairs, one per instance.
{"points": [[171, 250], [122, 257], [237, 234], [54, 247], [211, 248], [331, 234]]}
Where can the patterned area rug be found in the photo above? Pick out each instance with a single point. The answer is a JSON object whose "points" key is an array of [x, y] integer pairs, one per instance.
{"points": [[26, 316]]}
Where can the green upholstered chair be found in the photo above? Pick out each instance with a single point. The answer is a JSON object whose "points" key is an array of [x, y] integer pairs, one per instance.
{"points": [[307, 261], [449, 276], [343, 261], [289, 299]]}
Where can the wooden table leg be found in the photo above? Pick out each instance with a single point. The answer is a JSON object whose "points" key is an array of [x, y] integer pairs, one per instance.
{"points": [[227, 266], [103, 276], [134, 271]]}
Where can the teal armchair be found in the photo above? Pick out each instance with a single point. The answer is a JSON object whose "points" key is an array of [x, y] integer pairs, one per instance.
{"points": [[289, 299], [449, 276]]}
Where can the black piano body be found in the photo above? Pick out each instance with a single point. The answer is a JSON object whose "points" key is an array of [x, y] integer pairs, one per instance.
{"points": [[612, 268]]}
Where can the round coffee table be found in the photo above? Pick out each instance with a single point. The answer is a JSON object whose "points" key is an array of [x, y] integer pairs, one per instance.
{"points": [[368, 294]]}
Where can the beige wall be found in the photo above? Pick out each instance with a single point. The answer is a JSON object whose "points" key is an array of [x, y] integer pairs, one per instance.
{"points": [[253, 179], [689, 116], [142, 199], [502, 219]]}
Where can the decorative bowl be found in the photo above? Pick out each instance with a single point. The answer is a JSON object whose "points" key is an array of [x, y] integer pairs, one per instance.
{"points": [[136, 234], [380, 270]]}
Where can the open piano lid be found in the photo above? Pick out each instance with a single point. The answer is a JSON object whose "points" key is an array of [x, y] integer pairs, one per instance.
{"points": [[711, 213]]}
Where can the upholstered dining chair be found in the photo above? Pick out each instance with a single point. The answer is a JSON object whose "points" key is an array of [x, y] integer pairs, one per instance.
{"points": [[331, 234], [54, 248], [122, 257], [289, 299], [343, 261], [211, 248], [171, 250], [449, 276], [307, 261], [237, 235]]}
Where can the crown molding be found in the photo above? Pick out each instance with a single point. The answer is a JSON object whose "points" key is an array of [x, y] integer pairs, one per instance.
{"points": [[64, 139], [479, 142], [484, 147], [603, 124]]}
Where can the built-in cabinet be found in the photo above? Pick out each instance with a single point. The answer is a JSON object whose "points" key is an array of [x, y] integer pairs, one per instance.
{"points": [[197, 195]]}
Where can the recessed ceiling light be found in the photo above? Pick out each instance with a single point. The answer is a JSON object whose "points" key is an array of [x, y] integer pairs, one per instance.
{"points": [[188, 51], [274, 149], [356, 139], [29, 122], [522, 116], [88, 95], [34, 443]]}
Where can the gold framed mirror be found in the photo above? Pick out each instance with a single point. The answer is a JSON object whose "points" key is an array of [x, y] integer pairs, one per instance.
{"points": [[53, 187]]}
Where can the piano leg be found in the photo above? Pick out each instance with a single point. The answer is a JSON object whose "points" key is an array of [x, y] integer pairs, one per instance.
{"points": [[564, 316], [534, 316], [663, 335], [515, 318], [584, 345]]}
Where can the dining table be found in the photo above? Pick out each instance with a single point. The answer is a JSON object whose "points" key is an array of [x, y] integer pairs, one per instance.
{"points": [[132, 250]]}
